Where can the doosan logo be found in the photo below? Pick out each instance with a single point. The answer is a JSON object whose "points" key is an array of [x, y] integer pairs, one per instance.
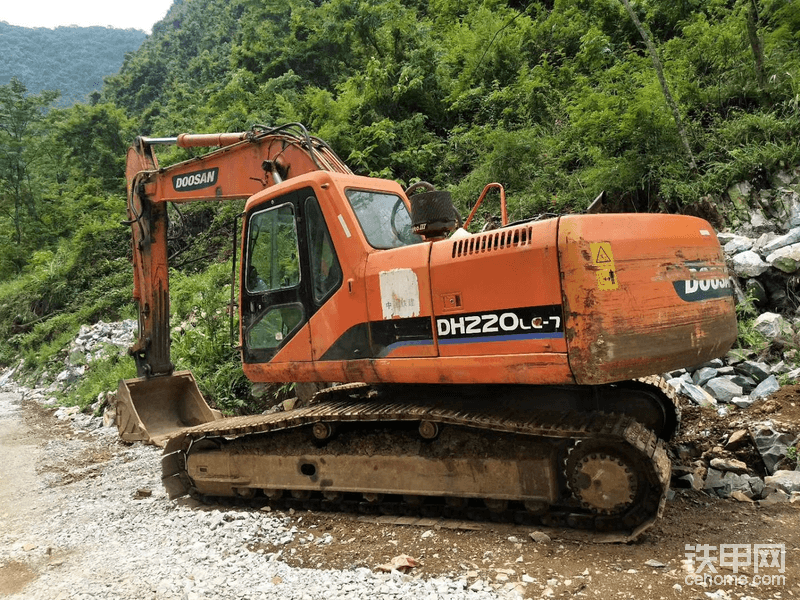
{"points": [[695, 290], [195, 181], [704, 285]]}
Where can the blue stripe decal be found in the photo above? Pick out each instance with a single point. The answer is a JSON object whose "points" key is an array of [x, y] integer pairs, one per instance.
{"points": [[411, 343], [392, 347], [503, 338]]}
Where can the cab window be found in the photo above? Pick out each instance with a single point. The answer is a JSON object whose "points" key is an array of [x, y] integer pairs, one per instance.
{"points": [[273, 261], [326, 273], [383, 218]]}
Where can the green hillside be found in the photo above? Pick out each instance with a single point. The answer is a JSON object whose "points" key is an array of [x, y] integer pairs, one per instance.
{"points": [[72, 60]]}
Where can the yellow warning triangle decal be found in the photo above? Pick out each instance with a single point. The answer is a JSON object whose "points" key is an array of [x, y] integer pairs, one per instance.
{"points": [[602, 256]]}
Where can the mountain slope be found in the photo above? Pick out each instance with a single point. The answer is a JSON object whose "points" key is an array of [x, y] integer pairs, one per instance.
{"points": [[73, 60]]}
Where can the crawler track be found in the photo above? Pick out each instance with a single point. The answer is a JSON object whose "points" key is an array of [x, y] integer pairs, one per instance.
{"points": [[355, 450]]}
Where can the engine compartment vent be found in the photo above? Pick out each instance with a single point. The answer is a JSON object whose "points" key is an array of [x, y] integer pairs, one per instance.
{"points": [[501, 239]]}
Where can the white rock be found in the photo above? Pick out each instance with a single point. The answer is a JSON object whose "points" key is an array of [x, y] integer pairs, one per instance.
{"points": [[788, 481], [763, 240], [785, 259], [66, 412], [792, 198], [726, 236], [782, 241], [749, 264], [759, 220], [737, 244]]}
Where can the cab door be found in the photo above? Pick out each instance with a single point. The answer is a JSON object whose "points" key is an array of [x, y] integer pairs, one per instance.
{"points": [[277, 281]]}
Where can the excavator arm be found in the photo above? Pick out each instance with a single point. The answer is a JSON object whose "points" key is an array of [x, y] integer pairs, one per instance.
{"points": [[157, 402], [244, 164]]}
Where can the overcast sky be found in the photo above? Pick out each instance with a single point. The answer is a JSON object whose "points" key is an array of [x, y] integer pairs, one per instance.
{"points": [[141, 14]]}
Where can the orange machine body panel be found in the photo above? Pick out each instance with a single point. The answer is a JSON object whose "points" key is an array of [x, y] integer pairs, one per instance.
{"points": [[576, 299], [642, 293], [499, 292], [381, 324]]}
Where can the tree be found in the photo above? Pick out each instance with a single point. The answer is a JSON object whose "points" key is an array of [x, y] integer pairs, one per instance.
{"points": [[662, 80], [91, 142], [20, 148], [755, 42]]}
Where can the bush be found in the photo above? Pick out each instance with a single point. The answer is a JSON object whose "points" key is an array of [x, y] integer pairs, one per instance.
{"points": [[201, 339], [102, 376]]}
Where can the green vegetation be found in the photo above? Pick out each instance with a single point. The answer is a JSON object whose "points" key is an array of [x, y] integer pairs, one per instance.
{"points": [[791, 456], [73, 60], [557, 100]]}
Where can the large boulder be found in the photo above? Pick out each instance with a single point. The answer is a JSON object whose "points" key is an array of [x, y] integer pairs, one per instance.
{"points": [[737, 244], [723, 389], [771, 444], [749, 264], [759, 221], [704, 375], [782, 241], [763, 240], [695, 393], [788, 481], [772, 325], [723, 484], [769, 386], [757, 370], [786, 259], [748, 384], [791, 200]]}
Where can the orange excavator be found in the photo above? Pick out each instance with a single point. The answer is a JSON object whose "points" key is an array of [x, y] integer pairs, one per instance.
{"points": [[507, 373]]}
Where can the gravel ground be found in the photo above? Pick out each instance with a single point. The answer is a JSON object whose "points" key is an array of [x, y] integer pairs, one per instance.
{"points": [[85, 516]]}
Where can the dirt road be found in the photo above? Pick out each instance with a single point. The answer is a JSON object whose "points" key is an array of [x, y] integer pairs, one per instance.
{"points": [[72, 526]]}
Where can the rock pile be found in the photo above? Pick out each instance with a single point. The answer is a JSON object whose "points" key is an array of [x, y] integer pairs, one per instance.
{"points": [[764, 250], [752, 464], [763, 255], [755, 462], [734, 382], [92, 343]]}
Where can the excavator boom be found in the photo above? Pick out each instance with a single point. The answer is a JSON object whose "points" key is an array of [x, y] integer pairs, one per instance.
{"points": [[245, 164]]}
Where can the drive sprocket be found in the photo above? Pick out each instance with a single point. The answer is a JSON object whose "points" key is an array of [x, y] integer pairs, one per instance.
{"points": [[606, 477]]}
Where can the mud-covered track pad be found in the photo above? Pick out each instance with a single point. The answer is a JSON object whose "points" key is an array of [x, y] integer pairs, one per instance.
{"points": [[497, 455]]}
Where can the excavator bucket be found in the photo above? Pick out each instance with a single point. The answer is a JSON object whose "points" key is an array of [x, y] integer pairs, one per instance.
{"points": [[151, 410]]}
